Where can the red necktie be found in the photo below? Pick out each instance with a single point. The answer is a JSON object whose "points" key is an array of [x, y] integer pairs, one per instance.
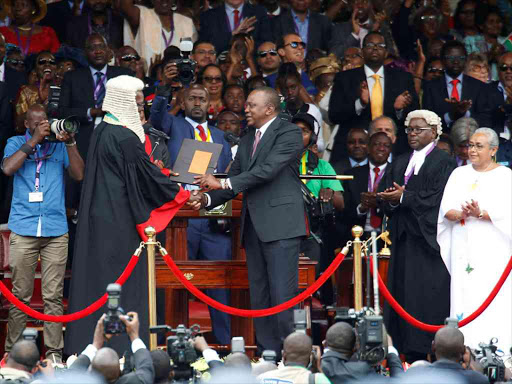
{"points": [[375, 220], [237, 18], [465, 162], [455, 92], [256, 141], [202, 133]]}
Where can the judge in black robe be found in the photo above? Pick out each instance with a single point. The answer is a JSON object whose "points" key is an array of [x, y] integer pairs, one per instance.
{"points": [[122, 193], [417, 276]]}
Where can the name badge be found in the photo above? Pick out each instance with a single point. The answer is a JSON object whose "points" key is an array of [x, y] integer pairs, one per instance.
{"points": [[35, 197]]}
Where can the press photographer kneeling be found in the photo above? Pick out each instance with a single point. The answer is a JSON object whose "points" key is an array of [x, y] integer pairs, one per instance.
{"points": [[104, 360]]}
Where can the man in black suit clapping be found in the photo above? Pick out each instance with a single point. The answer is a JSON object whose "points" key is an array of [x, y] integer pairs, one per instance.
{"points": [[265, 169], [363, 94]]}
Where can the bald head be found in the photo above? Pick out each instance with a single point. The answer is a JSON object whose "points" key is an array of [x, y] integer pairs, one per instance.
{"points": [[449, 344], [341, 338], [297, 349], [238, 360], [24, 356], [106, 363]]}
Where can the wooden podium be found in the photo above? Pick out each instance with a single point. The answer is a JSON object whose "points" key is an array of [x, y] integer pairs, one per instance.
{"points": [[212, 274]]}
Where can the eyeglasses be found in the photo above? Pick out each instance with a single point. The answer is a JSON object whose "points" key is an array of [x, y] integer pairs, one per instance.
{"points": [[455, 58], [210, 79], [46, 61], [375, 45], [435, 70], [476, 147], [428, 18], [130, 57], [505, 68], [205, 52], [416, 130], [271, 52], [296, 44], [15, 62]]}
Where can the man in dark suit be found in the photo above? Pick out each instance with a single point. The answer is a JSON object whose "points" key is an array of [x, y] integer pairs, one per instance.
{"points": [[361, 193], [363, 94], [105, 361], [12, 78], [501, 97], [60, 12], [273, 221], [338, 363], [83, 89], [313, 28], [411, 197], [357, 151], [219, 25], [98, 18], [456, 95], [449, 348], [203, 242]]}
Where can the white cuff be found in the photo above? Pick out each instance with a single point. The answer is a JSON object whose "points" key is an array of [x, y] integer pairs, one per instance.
{"points": [[392, 349], [401, 198], [359, 212], [138, 344], [208, 200], [355, 36], [228, 184], [359, 107], [210, 355], [90, 352]]}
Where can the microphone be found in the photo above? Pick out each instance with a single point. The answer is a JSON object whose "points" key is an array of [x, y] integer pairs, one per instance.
{"points": [[155, 132], [231, 138]]}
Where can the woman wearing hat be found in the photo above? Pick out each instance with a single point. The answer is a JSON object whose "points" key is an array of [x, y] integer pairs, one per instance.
{"points": [[24, 30]]}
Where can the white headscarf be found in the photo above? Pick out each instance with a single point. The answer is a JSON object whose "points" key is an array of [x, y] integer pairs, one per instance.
{"points": [[418, 157], [120, 101]]}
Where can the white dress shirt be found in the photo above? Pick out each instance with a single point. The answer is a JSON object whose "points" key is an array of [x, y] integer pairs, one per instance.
{"points": [[371, 82], [449, 88], [2, 72], [230, 11], [382, 168]]}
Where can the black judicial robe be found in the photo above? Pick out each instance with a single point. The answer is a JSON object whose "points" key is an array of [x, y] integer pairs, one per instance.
{"points": [[122, 193], [417, 276]]}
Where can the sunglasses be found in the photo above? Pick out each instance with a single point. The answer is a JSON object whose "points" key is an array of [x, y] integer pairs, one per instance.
{"points": [[130, 58], [435, 70], [505, 68], [375, 45], [271, 52], [210, 79], [428, 18], [296, 44], [15, 62], [46, 61]]}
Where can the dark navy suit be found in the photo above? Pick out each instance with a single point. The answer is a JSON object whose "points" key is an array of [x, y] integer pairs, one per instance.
{"points": [[203, 244]]}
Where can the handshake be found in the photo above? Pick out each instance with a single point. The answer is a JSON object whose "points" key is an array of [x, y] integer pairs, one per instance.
{"points": [[198, 199]]}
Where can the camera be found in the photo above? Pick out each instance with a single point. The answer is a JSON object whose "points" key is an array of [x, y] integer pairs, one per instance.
{"points": [[186, 66], [29, 334], [181, 352], [269, 356], [112, 322], [493, 365], [370, 332], [53, 101], [346, 315], [237, 345], [451, 322], [300, 320], [60, 126]]}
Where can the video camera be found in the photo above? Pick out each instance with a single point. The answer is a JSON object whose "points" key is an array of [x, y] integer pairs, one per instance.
{"points": [[181, 352], [186, 66], [492, 364], [112, 322]]}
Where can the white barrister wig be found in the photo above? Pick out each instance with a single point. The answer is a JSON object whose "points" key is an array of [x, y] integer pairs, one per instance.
{"points": [[430, 117], [120, 101]]}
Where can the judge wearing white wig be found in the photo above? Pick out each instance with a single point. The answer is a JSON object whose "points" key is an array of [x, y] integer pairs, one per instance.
{"points": [[475, 236], [412, 193], [122, 194]]}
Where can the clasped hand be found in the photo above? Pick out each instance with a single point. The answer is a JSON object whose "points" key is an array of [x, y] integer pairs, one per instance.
{"points": [[471, 209]]}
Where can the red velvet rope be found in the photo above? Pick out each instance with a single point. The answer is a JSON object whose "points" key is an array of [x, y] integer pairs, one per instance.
{"points": [[72, 316], [256, 312], [434, 328]]}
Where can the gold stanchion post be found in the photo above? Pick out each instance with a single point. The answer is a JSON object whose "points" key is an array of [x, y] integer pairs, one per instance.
{"points": [[357, 231], [150, 246]]}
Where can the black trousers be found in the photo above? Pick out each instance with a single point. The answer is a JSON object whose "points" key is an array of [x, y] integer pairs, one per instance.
{"points": [[273, 279]]}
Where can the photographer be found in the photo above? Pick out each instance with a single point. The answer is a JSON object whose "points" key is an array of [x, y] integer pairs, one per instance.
{"points": [[338, 361], [298, 359], [22, 363], [38, 222], [236, 360], [105, 361], [448, 346]]}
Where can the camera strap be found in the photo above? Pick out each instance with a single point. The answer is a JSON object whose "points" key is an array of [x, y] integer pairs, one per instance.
{"points": [[39, 160], [168, 42]]}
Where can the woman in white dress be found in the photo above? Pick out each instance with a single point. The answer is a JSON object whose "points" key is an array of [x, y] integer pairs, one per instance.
{"points": [[475, 236]]}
